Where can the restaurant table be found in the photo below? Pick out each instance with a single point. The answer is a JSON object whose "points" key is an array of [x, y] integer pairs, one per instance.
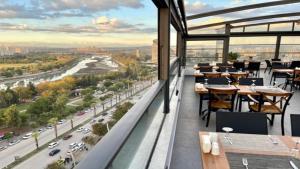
{"points": [[197, 73], [245, 90], [196, 67], [260, 151], [281, 71]]}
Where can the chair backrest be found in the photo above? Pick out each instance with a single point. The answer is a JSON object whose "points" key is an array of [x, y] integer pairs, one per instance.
{"points": [[203, 64], [229, 68], [212, 75], [239, 65], [275, 98], [254, 66], [268, 63], [223, 96], [206, 68], [295, 64], [217, 81], [248, 123], [276, 65], [248, 81], [295, 124], [276, 59]]}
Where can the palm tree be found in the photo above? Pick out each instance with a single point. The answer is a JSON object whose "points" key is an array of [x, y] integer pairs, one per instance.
{"points": [[53, 121], [35, 135]]}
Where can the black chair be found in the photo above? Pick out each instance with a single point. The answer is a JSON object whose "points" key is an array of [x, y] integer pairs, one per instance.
{"points": [[248, 123], [276, 75], [295, 124], [206, 69], [249, 81], [217, 81], [203, 64], [269, 66], [224, 69], [276, 59], [239, 65], [254, 68], [294, 64]]}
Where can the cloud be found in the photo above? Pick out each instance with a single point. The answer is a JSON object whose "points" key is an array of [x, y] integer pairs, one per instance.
{"points": [[198, 7]]}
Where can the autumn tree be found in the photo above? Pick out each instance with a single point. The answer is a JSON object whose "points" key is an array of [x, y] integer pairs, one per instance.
{"points": [[11, 116]]}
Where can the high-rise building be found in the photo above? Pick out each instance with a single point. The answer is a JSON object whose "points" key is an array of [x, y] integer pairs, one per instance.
{"points": [[154, 51]]}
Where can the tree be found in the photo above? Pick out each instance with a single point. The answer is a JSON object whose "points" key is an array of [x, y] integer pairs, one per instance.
{"points": [[122, 110], [53, 121], [11, 116], [32, 88], [55, 165], [99, 129], [35, 135]]}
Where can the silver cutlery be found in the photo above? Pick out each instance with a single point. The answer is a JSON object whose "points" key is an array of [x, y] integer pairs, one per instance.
{"points": [[293, 165], [245, 162], [272, 139]]}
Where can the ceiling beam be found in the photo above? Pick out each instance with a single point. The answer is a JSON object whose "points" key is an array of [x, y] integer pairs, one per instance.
{"points": [[266, 23], [183, 15], [241, 8], [246, 20]]}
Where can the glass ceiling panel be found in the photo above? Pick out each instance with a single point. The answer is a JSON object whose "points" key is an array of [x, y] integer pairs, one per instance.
{"points": [[200, 6]]}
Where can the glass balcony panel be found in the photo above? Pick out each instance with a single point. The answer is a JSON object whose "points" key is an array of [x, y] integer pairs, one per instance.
{"points": [[136, 151]]}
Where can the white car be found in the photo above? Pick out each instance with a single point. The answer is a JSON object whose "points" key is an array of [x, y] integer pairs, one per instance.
{"points": [[3, 148], [80, 129], [28, 135], [74, 149], [61, 121], [81, 145], [52, 145], [72, 145], [14, 142], [85, 131]]}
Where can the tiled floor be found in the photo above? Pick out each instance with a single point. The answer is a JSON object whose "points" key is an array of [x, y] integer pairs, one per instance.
{"points": [[186, 153]]}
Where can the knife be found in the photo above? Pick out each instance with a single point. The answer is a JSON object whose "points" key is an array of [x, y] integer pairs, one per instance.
{"points": [[293, 165]]}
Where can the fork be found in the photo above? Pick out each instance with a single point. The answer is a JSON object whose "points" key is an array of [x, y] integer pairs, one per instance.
{"points": [[245, 162]]}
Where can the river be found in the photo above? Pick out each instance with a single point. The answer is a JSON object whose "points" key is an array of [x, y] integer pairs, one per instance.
{"points": [[106, 60]]}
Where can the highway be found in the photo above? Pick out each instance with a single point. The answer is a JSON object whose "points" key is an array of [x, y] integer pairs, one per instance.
{"points": [[42, 159], [7, 156]]}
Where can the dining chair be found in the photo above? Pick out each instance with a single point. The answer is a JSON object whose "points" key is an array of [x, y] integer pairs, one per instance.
{"points": [[206, 68], [227, 68], [217, 81], [276, 75], [242, 122], [294, 64], [269, 66], [254, 68], [239, 65], [276, 59], [271, 103], [293, 80], [295, 127], [203, 64], [220, 98]]}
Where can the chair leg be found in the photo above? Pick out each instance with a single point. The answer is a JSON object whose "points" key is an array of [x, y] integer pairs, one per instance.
{"points": [[208, 118], [272, 119], [282, 125]]}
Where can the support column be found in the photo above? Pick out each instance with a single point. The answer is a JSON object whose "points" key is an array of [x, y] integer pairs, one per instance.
{"points": [[179, 52], [164, 52], [226, 44], [277, 50]]}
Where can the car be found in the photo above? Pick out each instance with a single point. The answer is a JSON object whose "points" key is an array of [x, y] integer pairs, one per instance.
{"points": [[49, 127], [28, 135], [66, 137], [80, 129], [75, 148], [72, 145], [104, 114], [85, 131], [80, 113], [100, 120], [41, 130], [11, 143], [54, 152], [61, 121], [81, 145], [3, 148], [52, 145]]}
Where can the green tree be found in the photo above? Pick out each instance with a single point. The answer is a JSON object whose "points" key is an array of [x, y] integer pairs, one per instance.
{"points": [[121, 110], [35, 136], [55, 165], [99, 129], [11, 116], [53, 121]]}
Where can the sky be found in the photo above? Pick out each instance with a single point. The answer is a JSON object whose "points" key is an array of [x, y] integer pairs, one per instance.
{"points": [[102, 23]]}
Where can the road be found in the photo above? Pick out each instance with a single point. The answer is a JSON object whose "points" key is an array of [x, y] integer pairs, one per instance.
{"points": [[42, 159], [7, 156]]}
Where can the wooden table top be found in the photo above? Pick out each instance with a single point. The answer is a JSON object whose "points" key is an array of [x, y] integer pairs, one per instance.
{"points": [[239, 145], [283, 70]]}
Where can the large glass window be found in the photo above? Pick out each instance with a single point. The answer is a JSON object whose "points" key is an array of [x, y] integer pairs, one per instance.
{"points": [[290, 48]]}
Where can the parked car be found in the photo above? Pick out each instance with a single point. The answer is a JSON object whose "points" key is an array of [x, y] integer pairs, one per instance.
{"points": [[54, 152], [100, 120], [41, 130], [80, 113], [49, 127], [52, 145], [11, 143], [72, 145], [104, 114], [61, 121], [66, 137], [85, 131], [80, 129], [3, 148], [28, 135]]}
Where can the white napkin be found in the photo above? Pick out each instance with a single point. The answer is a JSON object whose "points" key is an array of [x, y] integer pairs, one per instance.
{"points": [[215, 149], [206, 144]]}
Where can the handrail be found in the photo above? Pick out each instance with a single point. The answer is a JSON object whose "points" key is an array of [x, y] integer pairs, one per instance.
{"points": [[105, 151]]}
